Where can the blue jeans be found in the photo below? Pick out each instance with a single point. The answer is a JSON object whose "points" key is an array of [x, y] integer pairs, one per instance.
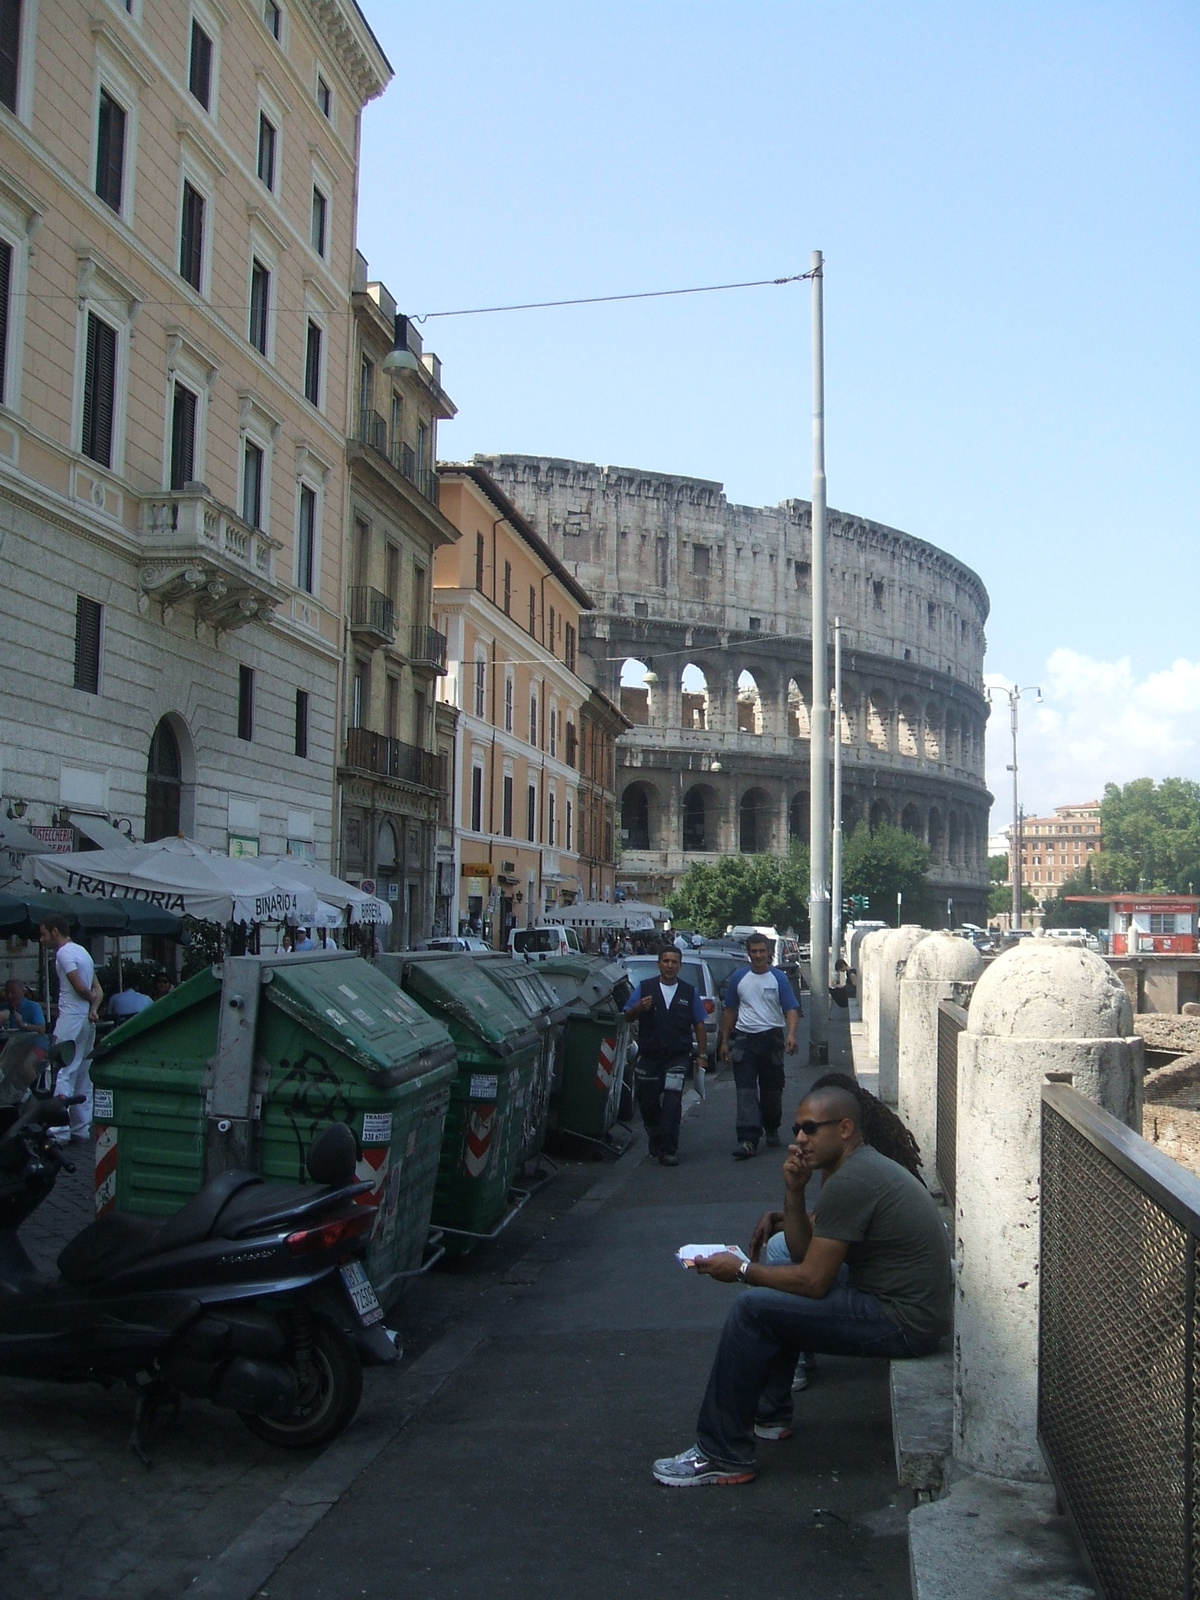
{"points": [[764, 1334]]}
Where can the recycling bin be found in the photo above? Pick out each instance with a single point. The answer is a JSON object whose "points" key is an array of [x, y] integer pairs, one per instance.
{"points": [[245, 1063], [499, 1053], [593, 992], [542, 1006]]}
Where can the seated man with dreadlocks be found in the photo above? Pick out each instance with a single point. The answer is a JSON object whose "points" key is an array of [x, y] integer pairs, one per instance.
{"points": [[867, 1274]]}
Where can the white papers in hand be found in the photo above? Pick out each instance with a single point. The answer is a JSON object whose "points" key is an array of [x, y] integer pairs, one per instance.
{"points": [[687, 1253]]}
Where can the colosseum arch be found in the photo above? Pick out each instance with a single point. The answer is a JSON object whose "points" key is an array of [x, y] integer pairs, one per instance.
{"points": [[933, 735], [954, 840], [635, 691], [701, 819], [935, 834], [639, 817], [754, 822], [851, 814], [799, 725], [848, 722], [694, 690], [910, 820], [907, 727], [749, 703], [798, 817], [881, 815], [878, 717]]}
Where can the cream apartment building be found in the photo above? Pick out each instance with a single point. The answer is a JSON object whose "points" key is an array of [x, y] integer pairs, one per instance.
{"points": [[1054, 849], [510, 611], [177, 192], [393, 782]]}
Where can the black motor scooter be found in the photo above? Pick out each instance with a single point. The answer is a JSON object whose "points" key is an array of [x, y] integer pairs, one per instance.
{"points": [[253, 1296]]}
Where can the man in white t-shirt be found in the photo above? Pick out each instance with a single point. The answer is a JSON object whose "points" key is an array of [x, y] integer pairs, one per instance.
{"points": [[79, 997], [764, 1007]]}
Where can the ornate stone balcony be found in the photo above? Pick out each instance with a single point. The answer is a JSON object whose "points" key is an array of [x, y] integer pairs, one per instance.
{"points": [[195, 548]]}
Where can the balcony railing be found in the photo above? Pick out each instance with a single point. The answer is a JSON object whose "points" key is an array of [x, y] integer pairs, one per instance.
{"points": [[373, 430], [198, 549], [428, 647], [372, 611], [423, 479], [391, 758]]}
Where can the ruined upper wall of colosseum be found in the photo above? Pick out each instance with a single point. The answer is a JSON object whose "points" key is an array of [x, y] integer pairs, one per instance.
{"points": [[677, 546]]}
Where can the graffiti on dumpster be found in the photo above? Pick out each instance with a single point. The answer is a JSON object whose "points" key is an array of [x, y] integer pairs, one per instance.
{"points": [[311, 1095]]}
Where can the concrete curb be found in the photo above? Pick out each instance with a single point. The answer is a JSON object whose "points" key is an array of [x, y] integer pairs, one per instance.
{"points": [[245, 1566]]}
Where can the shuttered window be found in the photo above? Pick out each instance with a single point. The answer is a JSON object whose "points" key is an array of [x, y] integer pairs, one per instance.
{"points": [[88, 617], [301, 722], [10, 51], [200, 66], [260, 304], [252, 484], [320, 220], [99, 390], [5, 286], [312, 365], [306, 540], [183, 437], [110, 151], [266, 150], [245, 728], [191, 236]]}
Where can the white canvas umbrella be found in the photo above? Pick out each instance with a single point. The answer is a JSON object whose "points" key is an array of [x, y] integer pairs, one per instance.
{"points": [[353, 906], [181, 876], [636, 915]]}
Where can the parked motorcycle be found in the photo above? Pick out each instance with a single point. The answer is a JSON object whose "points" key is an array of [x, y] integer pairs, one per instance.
{"points": [[253, 1296]]}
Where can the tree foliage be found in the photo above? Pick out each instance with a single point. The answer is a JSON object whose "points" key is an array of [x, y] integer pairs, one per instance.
{"points": [[1000, 899], [885, 863], [1151, 835], [998, 869], [767, 889], [1056, 913]]}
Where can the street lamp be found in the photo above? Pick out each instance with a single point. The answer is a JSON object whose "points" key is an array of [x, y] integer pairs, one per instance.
{"points": [[1014, 700], [400, 358]]}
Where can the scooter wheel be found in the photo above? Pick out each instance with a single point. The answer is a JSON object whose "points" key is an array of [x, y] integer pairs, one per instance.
{"points": [[321, 1415]]}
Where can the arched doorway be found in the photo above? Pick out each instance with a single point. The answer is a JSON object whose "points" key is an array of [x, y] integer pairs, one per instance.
{"points": [[695, 820], [911, 820], [635, 817], [694, 690], [635, 691], [164, 784], [881, 815], [798, 823], [754, 822]]}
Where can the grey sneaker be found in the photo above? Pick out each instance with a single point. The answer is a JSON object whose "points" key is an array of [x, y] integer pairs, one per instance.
{"points": [[773, 1139], [772, 1430], [670, 1159], [691, 1471], [800, 1381], [743, 1151]]}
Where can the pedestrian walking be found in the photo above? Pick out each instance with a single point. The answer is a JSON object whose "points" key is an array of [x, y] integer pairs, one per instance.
{"points": [[759, 1027], [79, 997], [671, 1032]]}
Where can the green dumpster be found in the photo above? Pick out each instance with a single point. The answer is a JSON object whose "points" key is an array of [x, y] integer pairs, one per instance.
{"points": [[543, 1008], [242, 1066], [499, 1052], [593, 991]]}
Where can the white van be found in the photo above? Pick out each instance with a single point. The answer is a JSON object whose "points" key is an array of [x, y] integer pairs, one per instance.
{"points": [[543, 942]]}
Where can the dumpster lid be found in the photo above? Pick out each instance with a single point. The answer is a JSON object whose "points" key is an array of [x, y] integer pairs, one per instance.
{"points": [[464, 989], [537, 998], [354, 1008], [201, 986], [584, 981]]}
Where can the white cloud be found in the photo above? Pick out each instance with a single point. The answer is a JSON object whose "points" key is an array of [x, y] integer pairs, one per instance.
{"points": [[1098, 723]]}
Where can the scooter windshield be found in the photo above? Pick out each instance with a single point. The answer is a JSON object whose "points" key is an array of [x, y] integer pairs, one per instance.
{"points": [[22, 1063]]}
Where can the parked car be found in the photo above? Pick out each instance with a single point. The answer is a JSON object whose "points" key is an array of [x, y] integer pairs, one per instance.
{"points": [[543, 943], [457, 943], [699, 974]]}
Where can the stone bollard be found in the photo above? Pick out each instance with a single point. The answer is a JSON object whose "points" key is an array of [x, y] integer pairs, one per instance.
{"points": [[941, 967], [893, 954], [1039, 1011], [868, 986]]}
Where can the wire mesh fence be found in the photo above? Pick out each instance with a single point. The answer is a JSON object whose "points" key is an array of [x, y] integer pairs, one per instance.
{"points": [[1117, 1363]]}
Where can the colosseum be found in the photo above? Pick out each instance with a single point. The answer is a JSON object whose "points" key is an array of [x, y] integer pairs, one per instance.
{"points": [[702, 631]]}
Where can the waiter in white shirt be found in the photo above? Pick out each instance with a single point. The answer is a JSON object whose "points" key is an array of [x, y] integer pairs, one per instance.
{"points": [[79, 998]]}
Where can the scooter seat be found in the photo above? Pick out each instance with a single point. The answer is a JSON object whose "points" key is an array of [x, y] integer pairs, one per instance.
{"points": [[112, 1243]]}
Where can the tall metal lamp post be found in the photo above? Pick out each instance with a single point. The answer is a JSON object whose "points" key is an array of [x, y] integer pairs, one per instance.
{"points": [[818, 888], [1014, 700]]}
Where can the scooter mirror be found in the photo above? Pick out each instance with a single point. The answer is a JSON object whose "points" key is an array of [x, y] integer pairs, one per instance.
{"points": [[333, 1156]]}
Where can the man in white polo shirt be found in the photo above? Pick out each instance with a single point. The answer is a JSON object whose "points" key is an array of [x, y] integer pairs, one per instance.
{"points": [[764, 1007], [79, 997]]}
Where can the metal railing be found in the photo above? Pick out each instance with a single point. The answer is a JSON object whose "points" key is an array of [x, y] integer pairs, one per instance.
{"points": [[370, 608], [952, 1020], [428, 646], [1117, 1369], [424, 479], [373, 430], [391, 758]]}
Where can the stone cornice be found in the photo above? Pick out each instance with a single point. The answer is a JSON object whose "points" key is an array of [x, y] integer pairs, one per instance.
{"points": [[345, 30]]}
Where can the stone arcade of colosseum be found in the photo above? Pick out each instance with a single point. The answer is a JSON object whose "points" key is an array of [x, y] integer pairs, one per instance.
{"points": [[710, 602]]}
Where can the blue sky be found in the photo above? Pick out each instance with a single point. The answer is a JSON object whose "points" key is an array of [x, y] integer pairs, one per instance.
{"points": [[1006, 195]]}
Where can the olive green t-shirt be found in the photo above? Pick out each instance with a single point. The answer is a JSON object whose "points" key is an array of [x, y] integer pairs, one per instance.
{"points": [[898, 1247]]}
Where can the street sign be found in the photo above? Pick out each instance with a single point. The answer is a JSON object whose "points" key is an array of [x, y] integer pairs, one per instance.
{"points": [[367, 886]]}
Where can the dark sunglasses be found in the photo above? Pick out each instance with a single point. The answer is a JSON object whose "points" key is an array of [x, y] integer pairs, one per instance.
{"points": [[810, 1127]]}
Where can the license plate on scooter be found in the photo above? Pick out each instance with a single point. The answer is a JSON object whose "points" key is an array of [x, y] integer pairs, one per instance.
{"points": [[362, 1293]]}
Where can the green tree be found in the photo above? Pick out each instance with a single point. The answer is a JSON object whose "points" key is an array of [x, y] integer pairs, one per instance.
{"points": [[886, 863], [998, 869], [1056, 913], [1151, 836], [1000, 899], [767, 889]]}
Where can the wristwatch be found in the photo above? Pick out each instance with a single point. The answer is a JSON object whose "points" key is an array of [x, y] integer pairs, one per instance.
{"points": [[743, 1270]]}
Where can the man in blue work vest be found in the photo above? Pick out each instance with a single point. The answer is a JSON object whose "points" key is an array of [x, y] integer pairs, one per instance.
{"points": [[669, 1012], [762, 1004]]}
